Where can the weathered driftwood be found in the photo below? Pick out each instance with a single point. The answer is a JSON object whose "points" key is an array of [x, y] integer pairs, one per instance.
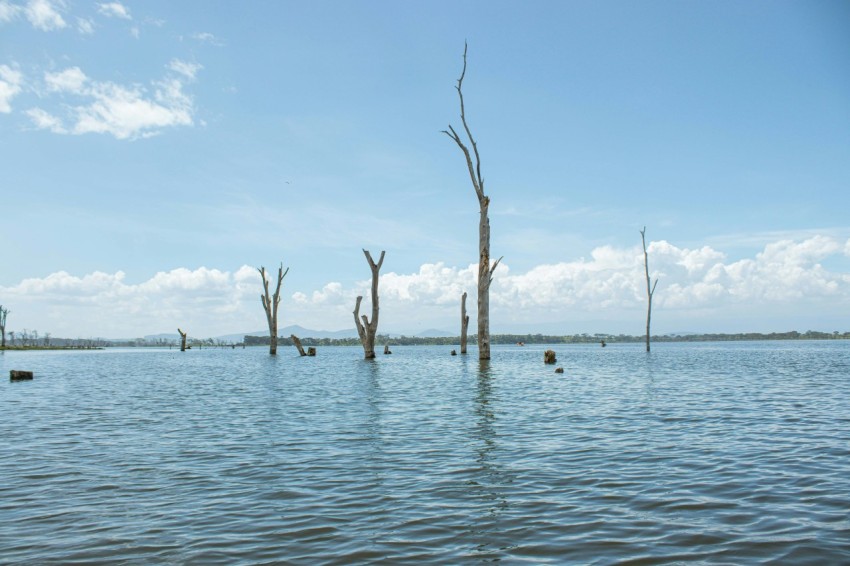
{"points": [[485, 271], [559, 370], [387, 349], [19, 375], [368, 328], [464, 323], [311, 351], [549, 357], [270, 304], [298, 345], [182, 340], [649, 291]]}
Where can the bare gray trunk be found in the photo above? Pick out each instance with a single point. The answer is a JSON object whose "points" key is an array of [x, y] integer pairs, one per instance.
{"points": [[464, 324], [3, 313], [298, 345], [182, 340], [650, 289], [367, 329], [485, 271], [270, 304]]}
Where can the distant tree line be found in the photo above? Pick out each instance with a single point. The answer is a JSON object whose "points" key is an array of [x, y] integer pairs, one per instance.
{"points": [[553, 339]]}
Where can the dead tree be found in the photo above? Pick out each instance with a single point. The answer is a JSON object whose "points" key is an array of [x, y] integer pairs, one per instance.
{"points": [[650, 290], [182, 340], [464, 323], [4, 312], [485, 271], [270, 304], [298, 345], [367, 329]]}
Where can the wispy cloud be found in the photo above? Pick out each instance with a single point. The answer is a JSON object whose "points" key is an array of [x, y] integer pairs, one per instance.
{"points": [[207, 37], [8, 11], [114, 10], [126, 112], [11, 82], [45, 14], [185, 68], [85, 26]]}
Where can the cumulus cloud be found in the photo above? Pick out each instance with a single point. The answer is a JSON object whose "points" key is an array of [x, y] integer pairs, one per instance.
{"points": [[69, 80], [114, 10], [126, 112], [45, 14], [609, 285], [11, 81]]}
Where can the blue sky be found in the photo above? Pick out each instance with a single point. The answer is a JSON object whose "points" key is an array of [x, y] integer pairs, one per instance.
{"points": [[152, 153]]}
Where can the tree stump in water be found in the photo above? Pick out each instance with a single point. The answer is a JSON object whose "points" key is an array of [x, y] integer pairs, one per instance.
{"points": [[559, 370], [19, 375], [454, 353], [387, 349], [311, 351], [549, 357], [298, 345]]}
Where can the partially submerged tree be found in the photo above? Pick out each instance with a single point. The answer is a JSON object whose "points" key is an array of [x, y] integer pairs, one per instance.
{"points": [[464, 323], [485, 271], [270, 304], [182, 340], [368, 328], [297, 343], [650, 290], [4, 312]]}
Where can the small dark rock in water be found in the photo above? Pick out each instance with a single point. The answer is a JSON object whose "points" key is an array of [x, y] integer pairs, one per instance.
{"points": [[18, 375], [311, 351], [549, 357], [559, 370], [454, 353]]}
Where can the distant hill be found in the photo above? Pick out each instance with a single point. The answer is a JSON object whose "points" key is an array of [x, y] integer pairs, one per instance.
{"points": [[435, 333], [299, 331]]}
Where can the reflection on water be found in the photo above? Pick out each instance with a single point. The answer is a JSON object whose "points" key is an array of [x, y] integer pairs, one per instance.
{"points": [[700, 452]]}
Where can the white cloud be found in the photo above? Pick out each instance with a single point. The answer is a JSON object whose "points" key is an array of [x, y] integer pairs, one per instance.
{"points": [[43, 120], [45, 14], [70, 80], [206, 37], [114, 10], [188, 70], [135, 32], [126, 112], [85, 26], [10, 86], [8, 11], [696, 285]]}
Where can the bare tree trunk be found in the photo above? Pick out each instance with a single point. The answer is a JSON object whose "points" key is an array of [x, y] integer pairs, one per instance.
{"points": [[270, 305], [3, 313], [182, 340], [485, 271], [464, 323], [650, 290], [367, 329], [298, 345]]}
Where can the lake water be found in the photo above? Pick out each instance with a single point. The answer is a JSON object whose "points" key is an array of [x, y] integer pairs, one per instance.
{"points": [[713, 452]]}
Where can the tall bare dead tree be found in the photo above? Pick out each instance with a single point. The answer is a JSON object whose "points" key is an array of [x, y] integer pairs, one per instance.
{"points": [[368, 328], [270, 304], [4, 312], [485, 271], [182, 340], [464, 323], [650, 291]]}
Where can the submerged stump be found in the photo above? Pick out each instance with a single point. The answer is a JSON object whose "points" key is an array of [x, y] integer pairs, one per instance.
{"points": [[19, 375], [311, 351], [549, 357], [559, 370]]}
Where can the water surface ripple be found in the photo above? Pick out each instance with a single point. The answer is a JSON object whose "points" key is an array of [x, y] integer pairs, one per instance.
{"points": [[713, 453]]}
